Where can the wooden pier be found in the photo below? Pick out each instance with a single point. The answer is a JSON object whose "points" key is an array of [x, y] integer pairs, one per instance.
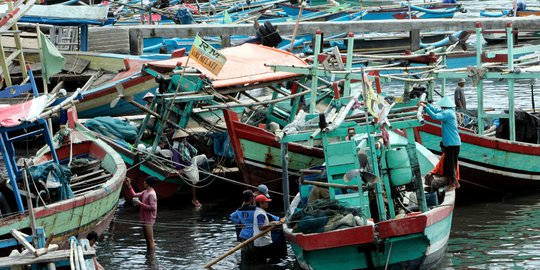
{"points": [[136, 33]]}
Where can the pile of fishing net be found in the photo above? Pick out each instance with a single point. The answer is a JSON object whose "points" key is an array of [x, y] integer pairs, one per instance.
{"points": [[54, 179], [325, 215], [113, 128]]}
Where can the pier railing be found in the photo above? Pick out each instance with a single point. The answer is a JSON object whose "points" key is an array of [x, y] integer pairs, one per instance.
{"points": [[138, 32]]}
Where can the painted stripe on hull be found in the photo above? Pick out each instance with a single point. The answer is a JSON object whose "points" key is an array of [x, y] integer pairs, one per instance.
{"points": [[495, 155]]}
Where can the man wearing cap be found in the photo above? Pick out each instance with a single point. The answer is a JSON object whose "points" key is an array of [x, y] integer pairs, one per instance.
{"points": [[186, 159], [262, 189], [459, 95], [263, 244], [451, 141]]}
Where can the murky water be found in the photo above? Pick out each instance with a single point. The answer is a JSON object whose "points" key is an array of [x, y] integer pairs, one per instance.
{"points": [[501, 234]]}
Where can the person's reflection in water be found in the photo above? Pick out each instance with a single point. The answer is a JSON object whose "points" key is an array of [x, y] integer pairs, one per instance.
{"points": [[151, 260]]}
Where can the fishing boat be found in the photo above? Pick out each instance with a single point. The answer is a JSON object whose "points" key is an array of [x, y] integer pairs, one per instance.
{"points": [[73, 183], [497, 163], [243, 72], [257, 152], [370, 166], [499, 36], [99, 75]]}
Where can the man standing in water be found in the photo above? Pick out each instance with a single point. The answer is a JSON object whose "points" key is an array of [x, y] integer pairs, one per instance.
{"points": [[459, 95], [148, 204], [450, 136]]}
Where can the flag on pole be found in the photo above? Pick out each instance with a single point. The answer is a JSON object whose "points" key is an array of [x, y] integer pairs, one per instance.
{"points": [[52, 60], [207, 56]]}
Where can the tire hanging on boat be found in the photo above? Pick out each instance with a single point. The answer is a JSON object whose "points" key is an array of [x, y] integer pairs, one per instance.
{"points": [[268, 35]]}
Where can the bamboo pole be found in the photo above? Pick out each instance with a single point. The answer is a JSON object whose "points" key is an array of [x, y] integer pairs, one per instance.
{"points": [[223, 106]]}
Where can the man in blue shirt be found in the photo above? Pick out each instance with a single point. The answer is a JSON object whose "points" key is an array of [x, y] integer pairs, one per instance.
{"points": [[243, 216], [451, 141]]}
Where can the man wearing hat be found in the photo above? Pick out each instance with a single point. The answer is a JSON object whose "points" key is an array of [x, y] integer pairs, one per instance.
{"points": [[186, 159], [263, 245], [459, 95], [148, 98], [451, 141], [262, 189]]}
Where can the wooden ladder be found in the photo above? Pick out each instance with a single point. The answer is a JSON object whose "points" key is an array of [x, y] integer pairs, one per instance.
{"points": [[8, 25]]}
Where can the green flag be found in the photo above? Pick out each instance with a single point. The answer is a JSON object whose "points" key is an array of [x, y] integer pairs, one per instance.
{"points": [[52, 60], [227, 18]]}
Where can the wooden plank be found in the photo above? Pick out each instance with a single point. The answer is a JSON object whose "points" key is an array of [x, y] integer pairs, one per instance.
{"points": [[52, 256], [75, 64], [89, 181], [84, 176], [83, 190], [111, 39], [20, 238]]}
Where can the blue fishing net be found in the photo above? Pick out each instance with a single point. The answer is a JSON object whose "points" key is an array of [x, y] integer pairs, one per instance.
{"points": [[113, 128], [56, 177], [315, 217]]}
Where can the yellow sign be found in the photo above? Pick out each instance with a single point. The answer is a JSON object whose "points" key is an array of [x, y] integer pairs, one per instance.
{"points": [[207, 56]]}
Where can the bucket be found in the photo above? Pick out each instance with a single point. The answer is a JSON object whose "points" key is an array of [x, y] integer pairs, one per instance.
{"points": [[397, 161]]}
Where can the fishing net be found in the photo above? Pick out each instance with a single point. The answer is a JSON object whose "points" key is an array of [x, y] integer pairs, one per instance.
{"points": [[324, 215], [113, 128], [56, 178]]}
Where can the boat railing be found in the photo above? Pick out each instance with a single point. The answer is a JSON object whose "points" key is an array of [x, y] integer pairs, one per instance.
{"points": [[500, 64]]}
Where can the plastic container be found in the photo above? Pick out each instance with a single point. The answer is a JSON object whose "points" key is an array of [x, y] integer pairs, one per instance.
{"points": [[397, 161]]}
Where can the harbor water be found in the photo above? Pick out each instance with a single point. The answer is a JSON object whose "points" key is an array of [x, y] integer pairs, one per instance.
{"points": [[500, 233]]}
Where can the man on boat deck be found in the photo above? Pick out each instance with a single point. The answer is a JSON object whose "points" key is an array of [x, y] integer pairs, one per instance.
{"points": [[186, 159], [459, 95], [521, 5], [148, 98], [148, 204], [450, 136]]}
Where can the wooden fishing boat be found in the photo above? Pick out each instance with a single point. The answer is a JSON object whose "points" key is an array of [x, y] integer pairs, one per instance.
{"points": [[373, 230], [257, 153], [90, 173], [501, 164], [244, 71], [99, 75], [499, 36], [256, 150]]}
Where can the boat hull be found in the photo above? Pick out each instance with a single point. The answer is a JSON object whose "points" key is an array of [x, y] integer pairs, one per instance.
{"points": [[258, 154], [490, 163], [139, 170], [77, 216]]}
